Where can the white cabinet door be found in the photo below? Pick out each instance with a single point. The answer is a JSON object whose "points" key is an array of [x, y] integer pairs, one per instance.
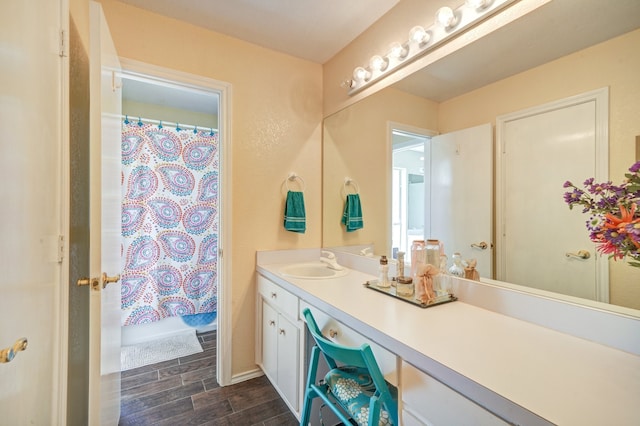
{"points": [[278, 344], [288, 353], [269, 341]]}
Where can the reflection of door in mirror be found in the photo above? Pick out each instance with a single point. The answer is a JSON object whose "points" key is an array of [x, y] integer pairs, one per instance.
{"points": [[540, 149], [408, 190], [460, 204]]}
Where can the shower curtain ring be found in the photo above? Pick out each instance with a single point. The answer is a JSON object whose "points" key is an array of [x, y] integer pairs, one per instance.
{"points": [[195, 130], [160, 125], [126, 119], [140, 122]]}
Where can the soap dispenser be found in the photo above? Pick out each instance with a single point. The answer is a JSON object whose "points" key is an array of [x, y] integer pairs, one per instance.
{"points": [[383, 279]]}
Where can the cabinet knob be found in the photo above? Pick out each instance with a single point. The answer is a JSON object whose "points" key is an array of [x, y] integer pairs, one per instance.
{"points": [[274, 295], [282, 331], [272, 322], [333, 333]]}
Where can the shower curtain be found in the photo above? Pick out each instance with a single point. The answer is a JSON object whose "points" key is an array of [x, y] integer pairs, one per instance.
{"points": [[169, 222]]}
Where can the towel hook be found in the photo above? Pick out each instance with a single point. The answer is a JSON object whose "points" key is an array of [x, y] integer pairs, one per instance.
{"points": [[292, 176], [348, 181]]}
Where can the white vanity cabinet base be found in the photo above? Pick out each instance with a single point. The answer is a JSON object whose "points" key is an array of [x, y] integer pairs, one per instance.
{"points": [[278, 344], [426, 401]]}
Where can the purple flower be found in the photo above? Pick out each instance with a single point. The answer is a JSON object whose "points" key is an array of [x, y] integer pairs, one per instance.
{"points": [[567, 184], [613, 236], [635, 168]]}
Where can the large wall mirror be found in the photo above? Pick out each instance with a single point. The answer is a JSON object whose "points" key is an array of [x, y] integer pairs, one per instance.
{"points": [[563, 49]]}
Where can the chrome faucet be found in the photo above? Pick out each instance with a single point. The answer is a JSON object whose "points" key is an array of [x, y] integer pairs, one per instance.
{"points": [[330, 260]]}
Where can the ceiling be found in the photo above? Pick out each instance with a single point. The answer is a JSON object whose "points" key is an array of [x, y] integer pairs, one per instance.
{"points": [[316, 30], [310, 29]]}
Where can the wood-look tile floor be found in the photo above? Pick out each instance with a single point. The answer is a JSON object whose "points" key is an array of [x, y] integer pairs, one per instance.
{"points": [[184, 391]]}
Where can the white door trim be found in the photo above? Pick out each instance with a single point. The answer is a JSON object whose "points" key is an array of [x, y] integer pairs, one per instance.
{"points": [[601, 99], [428, 134], [224, 337], [59, 403]]}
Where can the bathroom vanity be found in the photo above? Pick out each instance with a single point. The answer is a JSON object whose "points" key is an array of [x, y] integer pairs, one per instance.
{"points": [[485, 359]]}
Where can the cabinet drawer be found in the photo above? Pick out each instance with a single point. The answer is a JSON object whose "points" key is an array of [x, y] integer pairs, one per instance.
{"points": [[278, 297], [427, 401], [340, 333]]}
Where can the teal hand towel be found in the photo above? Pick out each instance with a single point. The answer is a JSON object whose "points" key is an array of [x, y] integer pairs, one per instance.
{"points": [[352, 216], [294, 215]]}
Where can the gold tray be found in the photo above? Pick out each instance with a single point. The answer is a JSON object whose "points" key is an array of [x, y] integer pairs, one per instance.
{"points": [[391, 291]]}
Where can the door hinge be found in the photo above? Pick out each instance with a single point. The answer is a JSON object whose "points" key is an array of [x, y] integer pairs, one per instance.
{"points": [[60, 248], [64, 44]]}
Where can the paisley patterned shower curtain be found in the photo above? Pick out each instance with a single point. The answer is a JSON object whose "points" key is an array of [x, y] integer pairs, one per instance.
{"points": [[169, 222]]}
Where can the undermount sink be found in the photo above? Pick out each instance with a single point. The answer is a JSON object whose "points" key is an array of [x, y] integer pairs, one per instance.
{"points": [[312, 270]]}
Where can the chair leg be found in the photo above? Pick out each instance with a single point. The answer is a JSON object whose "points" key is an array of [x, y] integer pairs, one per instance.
{"points": [[374, 411], [309, 393]]}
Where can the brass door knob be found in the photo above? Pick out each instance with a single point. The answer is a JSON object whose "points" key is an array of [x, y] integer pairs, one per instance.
{"points": [[581, 254], [95, 282], [108, 280]]}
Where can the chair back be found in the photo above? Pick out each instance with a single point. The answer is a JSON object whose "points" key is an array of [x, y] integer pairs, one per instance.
{"points": [[337, 354]]}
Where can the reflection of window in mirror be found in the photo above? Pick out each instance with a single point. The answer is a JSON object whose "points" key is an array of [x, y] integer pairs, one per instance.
{"points": [[408, 190]]}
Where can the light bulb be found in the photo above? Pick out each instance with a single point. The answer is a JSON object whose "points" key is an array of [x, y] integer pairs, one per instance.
{"points": [[477, 4], [361, 74], [446, 17], [379, 63], [419, 35], [398, 51]]}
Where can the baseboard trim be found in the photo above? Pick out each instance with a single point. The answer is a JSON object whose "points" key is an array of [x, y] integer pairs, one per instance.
{"points": [[247, 375]]}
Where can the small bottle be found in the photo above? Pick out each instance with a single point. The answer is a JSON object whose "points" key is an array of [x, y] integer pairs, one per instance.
{"points": [[432, 250], [400, 266], [417, 257], [443, 278], [383, 279], [404, 285], [457, 269]]}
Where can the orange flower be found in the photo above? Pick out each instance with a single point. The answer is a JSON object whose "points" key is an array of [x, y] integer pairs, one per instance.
{"points": [[626, 218]]}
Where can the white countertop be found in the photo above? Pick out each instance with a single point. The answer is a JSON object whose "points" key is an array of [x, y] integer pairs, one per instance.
{"points": [[522, 372]]}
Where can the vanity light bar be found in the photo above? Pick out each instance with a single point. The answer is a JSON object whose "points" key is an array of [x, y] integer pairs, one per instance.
{"points": [[448, 22]]}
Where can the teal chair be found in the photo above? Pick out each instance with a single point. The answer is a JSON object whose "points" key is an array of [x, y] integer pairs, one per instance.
{"points": [[354, 388]]}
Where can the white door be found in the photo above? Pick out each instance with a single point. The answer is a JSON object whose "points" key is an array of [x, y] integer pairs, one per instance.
{"points": [[538, 150], [460, 203], [104, 345], [33, 278]]}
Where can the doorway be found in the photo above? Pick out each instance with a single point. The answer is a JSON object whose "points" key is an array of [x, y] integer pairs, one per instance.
{"points": [[192, 111], [407, 187]]}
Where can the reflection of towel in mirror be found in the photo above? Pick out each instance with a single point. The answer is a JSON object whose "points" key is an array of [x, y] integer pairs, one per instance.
{"points": [[294, 215], [352, 216]]}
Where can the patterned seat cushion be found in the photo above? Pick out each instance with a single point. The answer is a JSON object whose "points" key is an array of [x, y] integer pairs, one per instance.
{"points": [[353, 387]]}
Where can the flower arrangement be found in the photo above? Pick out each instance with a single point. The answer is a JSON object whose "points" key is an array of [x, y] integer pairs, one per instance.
{"points": [[614, 224]]}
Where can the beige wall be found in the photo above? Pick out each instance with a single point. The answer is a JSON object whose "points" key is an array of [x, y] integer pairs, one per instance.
{"points": [[276, 128], [356, 145], [615, 64]]}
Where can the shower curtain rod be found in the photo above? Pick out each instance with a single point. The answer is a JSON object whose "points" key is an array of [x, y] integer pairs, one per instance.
{"points": [[133, 119]]}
